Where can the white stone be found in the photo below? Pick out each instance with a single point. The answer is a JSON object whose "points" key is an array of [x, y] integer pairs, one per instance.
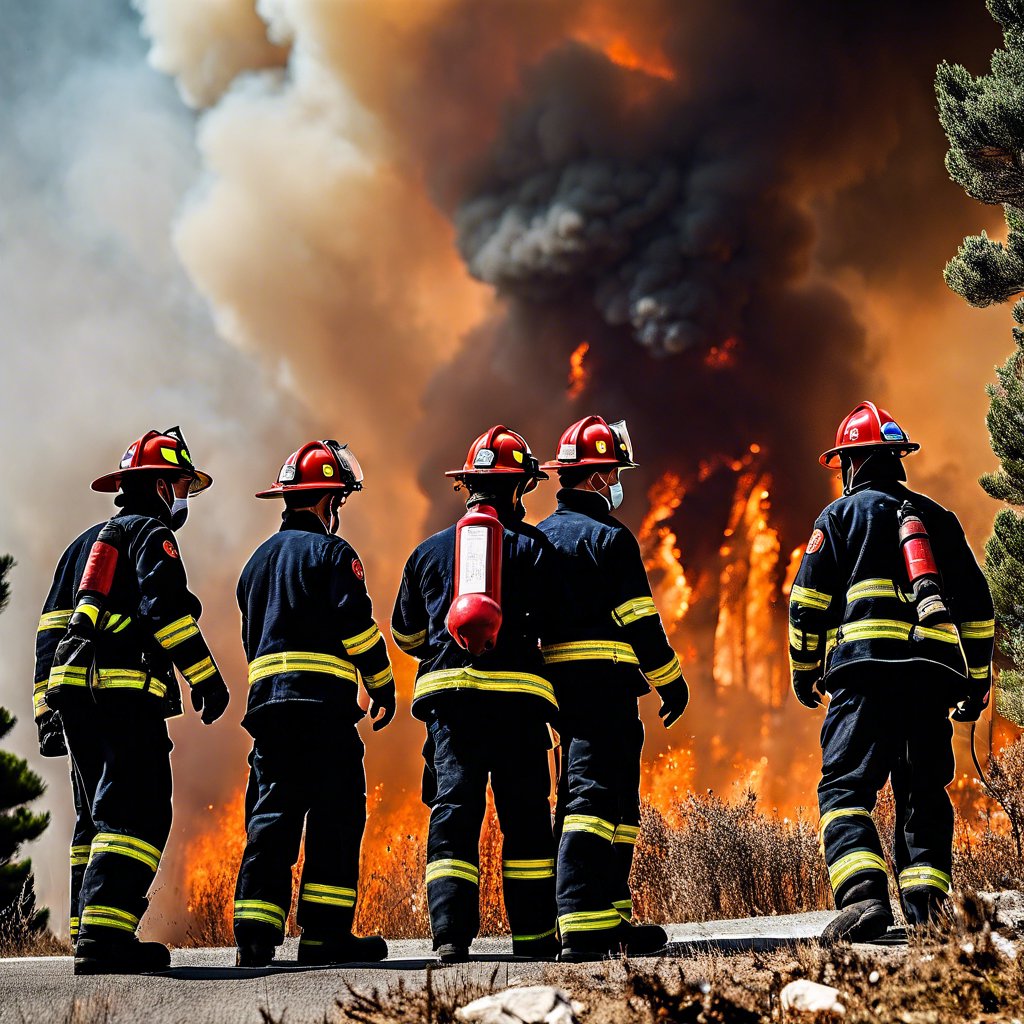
{"points": [[805, 996], [536, 1004]]}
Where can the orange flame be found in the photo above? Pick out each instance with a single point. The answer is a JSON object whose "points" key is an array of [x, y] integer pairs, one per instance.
{"points": [[578, 373], [672, 592], [627, 53]]}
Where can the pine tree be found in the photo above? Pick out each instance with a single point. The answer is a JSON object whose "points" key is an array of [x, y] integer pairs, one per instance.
{"points": [[18, 825], [984, 121]]}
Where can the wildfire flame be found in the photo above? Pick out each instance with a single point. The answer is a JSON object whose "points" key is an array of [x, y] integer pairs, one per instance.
{"points": [[578, 374], [662, 554], [626, 52]]}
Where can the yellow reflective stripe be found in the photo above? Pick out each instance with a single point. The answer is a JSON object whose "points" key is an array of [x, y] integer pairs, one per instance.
{"points": [[981, 629], [109, 917], [126, 846], [177, 632], [475, 679], [877, 629], [86, 607], [379, 679], [124, 624], [528, 868], [362, 642], [106, 679], [852, 864], [589, 921], [80, 855], [450, 868], [627, 834], [876, 588], [532, 938], [54, 620], [260, 910], [807, 598], [980, 673], [946, 633], [300, 661], [408, 641], [73, 925], [921, 875], [589, 823], [590, 650], [201, 670], [801, 640], [668, 673], [625, 909], [329, 895], [633, 609], [843, 812], [39, 697], [803, 666]]}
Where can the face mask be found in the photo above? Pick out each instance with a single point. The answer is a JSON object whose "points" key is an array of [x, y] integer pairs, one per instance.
{"points": [[615, 495], [179, 513]]}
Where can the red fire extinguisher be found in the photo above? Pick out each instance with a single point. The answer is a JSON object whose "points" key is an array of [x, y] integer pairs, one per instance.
{"points": [[922, 571], [474, 618]]}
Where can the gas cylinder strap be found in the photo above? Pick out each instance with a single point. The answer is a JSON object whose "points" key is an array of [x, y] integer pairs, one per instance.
{"points": [[126, 846], [450, 868], [300, 661], [590, 650], [852, 864], [922, 875], [893, 629], [981, 630], [807, 598], [452, 679], [106, 679], [329, 895], [109, 917], [633, 609], [177, 632], [54, 620], [528, 869], [876, 588], [261, 911], [362, 642], [589, 921], [409, 641], [668, 673]]}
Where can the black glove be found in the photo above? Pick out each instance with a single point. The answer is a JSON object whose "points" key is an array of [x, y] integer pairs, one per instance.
{"points": [[384, 700], [674, 698], [970, 710], [51, 735], [211, 697], [804, 686]]}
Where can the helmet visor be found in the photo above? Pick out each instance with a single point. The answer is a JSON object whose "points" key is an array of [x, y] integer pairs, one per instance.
{"points": [[623, 444], [350, 468]]}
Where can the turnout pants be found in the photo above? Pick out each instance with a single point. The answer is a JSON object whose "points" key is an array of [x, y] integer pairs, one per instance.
{"points": [[598, 816], [872, 733], [120, 756], [461, 757], [305, 768]]}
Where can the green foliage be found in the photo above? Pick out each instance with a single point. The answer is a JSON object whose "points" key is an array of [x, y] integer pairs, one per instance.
{"points": [[984, 121], [19, 785]]}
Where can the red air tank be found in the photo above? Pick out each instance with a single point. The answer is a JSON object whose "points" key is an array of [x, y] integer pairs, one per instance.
{"points": [[922, 571], [474, 618]]}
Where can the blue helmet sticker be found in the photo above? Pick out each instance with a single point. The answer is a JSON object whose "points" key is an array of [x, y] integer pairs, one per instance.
{"points": [[891, 432]]}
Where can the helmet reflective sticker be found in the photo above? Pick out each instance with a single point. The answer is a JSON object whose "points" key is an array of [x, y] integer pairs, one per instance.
{"points": [[328, 470], [602, 447], [567, 453], [892, 432], [484, 459], [287, 474], [517, 455]]}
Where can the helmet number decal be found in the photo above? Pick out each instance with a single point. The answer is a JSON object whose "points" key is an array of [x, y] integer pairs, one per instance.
{"points": [[170, 548], [357, 569], [814, 544], [484, 459]]}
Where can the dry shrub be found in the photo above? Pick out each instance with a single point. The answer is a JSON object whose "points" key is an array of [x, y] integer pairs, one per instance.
{"points": [[725, 859]]}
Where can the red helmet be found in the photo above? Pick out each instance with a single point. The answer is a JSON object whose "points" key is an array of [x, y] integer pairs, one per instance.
{"points": [[499, 450], [164, 452], [318, 466], [868, 427], [593, 441]]}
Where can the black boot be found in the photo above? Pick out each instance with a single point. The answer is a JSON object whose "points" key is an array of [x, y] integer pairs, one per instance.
{"points": [[341, 949], [537, 949], [864, 913], [452, 953], [120, 956], [254, 954], [626, 939], [924, 905]]}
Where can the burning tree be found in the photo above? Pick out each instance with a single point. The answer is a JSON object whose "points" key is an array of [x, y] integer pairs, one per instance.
{"points": [[984, 120], [18, 786]]}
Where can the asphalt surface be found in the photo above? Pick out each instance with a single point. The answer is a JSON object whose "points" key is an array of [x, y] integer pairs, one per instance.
{"points": [[204, 985]]}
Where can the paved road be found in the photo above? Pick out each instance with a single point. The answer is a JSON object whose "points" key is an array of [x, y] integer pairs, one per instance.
{"points": [[203, 985]]}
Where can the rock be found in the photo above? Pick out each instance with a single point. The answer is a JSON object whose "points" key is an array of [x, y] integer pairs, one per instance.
{"points": [[803, 996], [536, 1004], [1008, 909]]}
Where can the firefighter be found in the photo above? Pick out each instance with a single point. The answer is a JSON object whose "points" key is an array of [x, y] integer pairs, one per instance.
{"points": [[609, 649], [309, 638], [896, 642], [105, 690], [486, 714]]}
